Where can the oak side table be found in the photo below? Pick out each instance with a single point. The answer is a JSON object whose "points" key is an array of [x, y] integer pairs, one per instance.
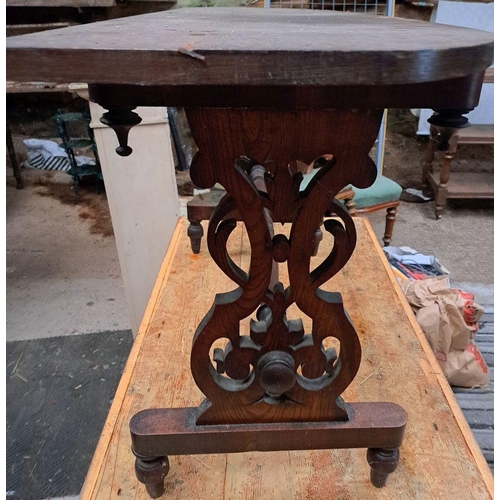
{"points": [[263, 89]]}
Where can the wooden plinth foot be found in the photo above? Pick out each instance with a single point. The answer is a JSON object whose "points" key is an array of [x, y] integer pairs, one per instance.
{"points": [[152, 473], [382, 463], [377, 426]]}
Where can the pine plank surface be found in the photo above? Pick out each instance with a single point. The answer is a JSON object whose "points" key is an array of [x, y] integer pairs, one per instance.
{"points": [[236, 46], [439, 456]]}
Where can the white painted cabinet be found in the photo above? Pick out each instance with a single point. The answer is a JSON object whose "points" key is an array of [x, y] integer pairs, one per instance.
{"points": [[143, 201]]}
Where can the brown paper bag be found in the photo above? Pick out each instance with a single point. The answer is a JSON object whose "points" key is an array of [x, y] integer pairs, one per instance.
{"points": [[466, 368], [440, 313]]}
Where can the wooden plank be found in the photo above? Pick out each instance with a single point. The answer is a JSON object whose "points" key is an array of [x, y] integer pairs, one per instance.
{"points": [[235, 46], [439, 457], [464, 185]]}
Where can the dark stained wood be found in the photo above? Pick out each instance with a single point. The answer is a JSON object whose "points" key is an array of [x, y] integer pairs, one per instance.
{"points": [[269, 389], [158, 433], [455, 93], [234, 46], [382, 462], [282, 137], [280, 374], [202, 206], [150, 429], [277, 139]]}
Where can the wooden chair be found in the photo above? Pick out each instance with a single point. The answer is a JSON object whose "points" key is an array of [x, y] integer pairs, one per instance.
{"points": [[383, 194]]}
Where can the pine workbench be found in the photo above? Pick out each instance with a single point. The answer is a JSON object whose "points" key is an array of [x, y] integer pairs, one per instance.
{"points": [[439, 456]]}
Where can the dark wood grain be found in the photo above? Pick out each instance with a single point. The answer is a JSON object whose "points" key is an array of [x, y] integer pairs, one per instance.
{"points": [[157, 433], [234, 46], [455, 93], [253, 155], [150, 427]]}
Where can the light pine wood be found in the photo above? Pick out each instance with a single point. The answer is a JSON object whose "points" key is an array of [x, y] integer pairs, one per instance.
{"points": [[489, 76], [438, 373], [439, 457]]}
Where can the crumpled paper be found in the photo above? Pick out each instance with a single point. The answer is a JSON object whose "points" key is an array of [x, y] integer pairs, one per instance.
{"points": [[440, 312]]}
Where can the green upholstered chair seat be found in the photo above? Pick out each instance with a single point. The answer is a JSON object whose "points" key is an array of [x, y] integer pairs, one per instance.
{"points": [[383, 190]]}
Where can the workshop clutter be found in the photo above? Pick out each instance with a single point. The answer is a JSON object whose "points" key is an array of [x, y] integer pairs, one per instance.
{"points": [[48, 155], [408, 263], [449, 319]]}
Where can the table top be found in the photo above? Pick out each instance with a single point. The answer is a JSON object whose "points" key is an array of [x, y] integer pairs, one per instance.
{"points": [[439, 456], [250, 46]]}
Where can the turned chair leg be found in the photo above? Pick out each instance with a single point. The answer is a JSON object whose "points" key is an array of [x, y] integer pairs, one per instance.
{"points": [[382, 463], [195, 233], [442, 189], [427, 167], [390, 220]]}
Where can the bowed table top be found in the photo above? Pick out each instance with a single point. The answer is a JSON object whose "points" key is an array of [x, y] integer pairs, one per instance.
{"points": [[236, 46]]}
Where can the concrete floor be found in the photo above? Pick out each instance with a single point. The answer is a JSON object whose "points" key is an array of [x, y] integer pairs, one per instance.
{"points": [[61, 279]]}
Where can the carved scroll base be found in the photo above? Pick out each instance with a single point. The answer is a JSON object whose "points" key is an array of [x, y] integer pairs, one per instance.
{"points": [[158, 433]]}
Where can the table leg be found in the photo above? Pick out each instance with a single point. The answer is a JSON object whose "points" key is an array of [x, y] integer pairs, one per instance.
{"points": [[429, 157], [265, 390]]}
